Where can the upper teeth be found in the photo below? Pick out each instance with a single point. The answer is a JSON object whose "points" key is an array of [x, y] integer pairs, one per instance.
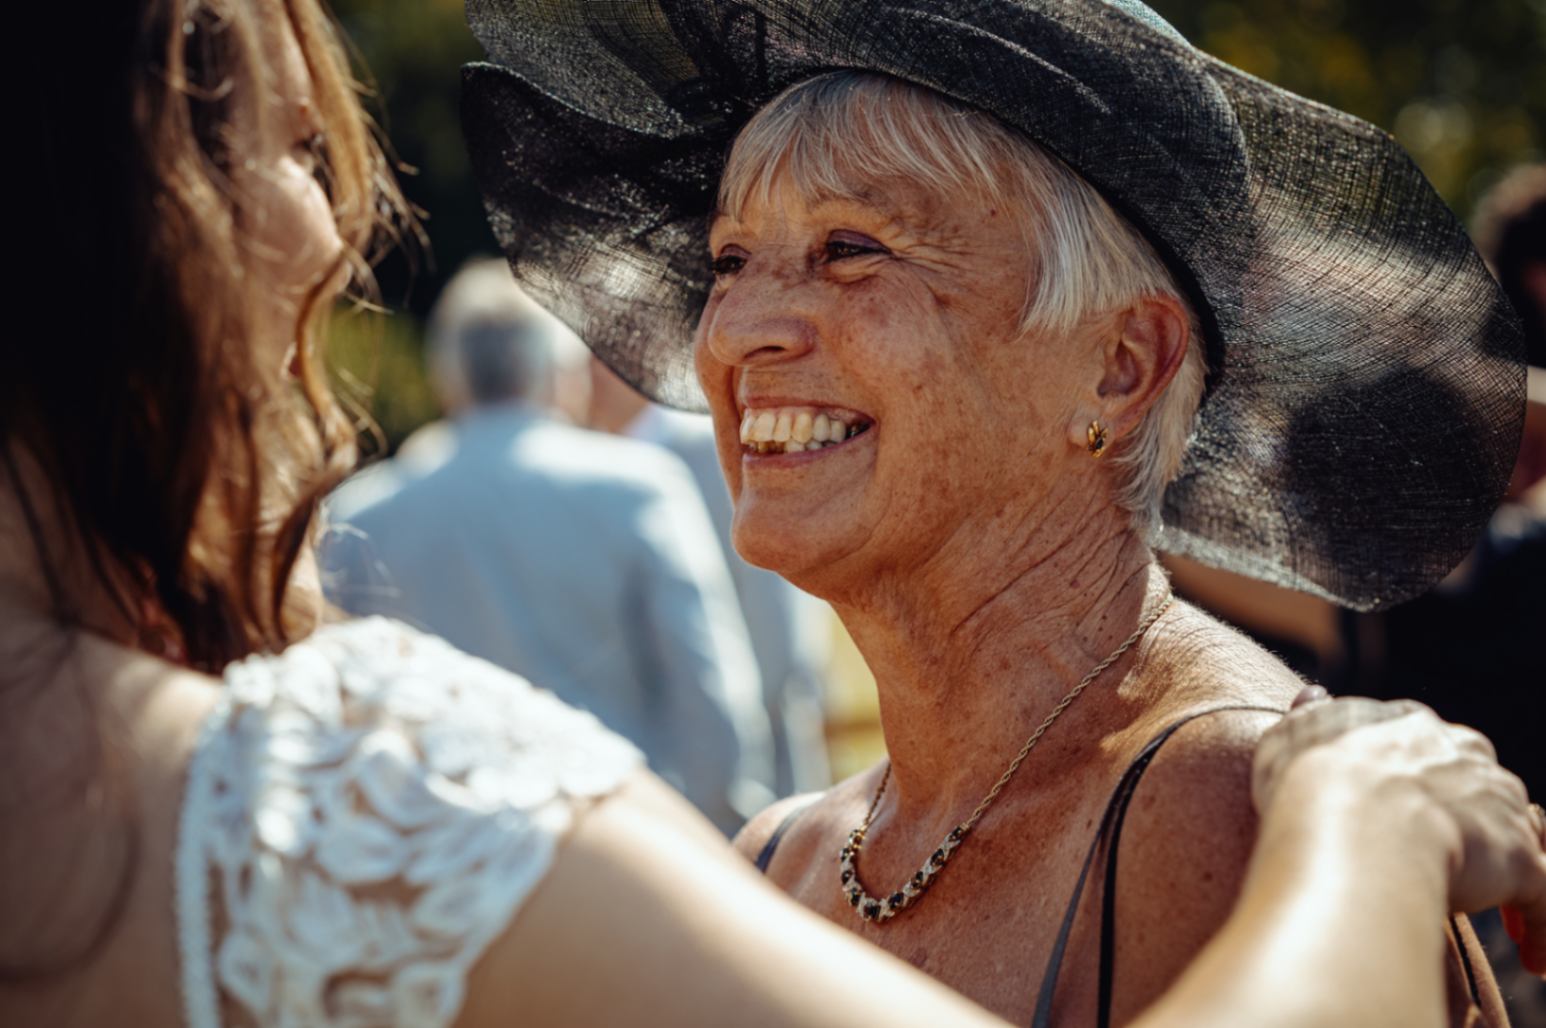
{"points": [[796, 429]]}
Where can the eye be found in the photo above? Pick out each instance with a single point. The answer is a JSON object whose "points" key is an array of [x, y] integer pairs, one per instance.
{"points": [[312, 151], [846, 246], [727, 264]]}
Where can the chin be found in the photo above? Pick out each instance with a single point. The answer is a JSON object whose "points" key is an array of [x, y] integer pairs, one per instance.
{"points": [[787, 546], [777, 551]]}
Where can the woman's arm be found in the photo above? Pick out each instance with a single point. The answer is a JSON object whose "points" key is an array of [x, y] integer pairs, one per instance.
{"points": [[1368, 842], [647, 918]]}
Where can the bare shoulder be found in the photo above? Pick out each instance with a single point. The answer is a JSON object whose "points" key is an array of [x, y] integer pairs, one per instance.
{"points": [[1183, 853], [1191, 825], [1203, 656], [821, 815], [1230, 691], [755, 834], [1196, 794]]}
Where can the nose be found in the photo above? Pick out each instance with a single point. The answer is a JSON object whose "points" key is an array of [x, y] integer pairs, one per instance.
{"points": [[763, 317]]}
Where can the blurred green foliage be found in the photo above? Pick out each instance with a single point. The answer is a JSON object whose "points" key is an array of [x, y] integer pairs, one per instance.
{"points": [[378, 375], [412, 52], [1461, 83], [409, 55]]}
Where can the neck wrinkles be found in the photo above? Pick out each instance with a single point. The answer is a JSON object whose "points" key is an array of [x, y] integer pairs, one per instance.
{"points": [[972, 652]]}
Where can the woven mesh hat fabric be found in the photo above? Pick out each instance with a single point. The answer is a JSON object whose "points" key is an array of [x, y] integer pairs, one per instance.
{"points": [[1366, 382]]}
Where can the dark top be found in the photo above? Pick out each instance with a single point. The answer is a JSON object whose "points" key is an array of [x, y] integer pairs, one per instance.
{"points": [[1110, 829]]}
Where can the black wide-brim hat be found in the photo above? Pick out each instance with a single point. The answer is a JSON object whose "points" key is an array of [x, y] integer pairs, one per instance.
{"points": [[1366, 386]]}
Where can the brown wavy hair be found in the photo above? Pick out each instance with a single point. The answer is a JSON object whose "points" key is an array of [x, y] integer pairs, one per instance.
{"points": [[181, 463], [188, 465]]}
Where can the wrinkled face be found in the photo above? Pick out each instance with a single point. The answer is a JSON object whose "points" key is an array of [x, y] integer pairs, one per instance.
{"points": [[291, 235], [873, 395]]}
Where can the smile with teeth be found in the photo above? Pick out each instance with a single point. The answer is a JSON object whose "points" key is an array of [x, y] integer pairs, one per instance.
{"points": [[798, 429]]}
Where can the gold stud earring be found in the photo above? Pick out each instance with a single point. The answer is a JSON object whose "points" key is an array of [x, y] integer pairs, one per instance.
{"points": [[1096, 437]]}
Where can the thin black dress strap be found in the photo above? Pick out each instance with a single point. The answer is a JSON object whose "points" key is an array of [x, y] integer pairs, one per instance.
{"points": [[765, 857], [1110, 826]]}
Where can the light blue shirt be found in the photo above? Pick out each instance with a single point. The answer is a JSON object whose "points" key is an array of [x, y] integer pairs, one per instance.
{"points": [[789, 628], [586, 563]]}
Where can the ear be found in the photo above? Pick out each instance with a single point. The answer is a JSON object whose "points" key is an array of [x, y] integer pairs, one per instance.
{"points": [[1141, 360]]}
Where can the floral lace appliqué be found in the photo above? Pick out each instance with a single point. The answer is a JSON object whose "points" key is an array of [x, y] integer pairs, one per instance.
{"points": [[367, 811]]}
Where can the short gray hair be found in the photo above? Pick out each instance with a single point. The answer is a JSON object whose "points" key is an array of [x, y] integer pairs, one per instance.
{"points": [[833, 133], [491, 343]]}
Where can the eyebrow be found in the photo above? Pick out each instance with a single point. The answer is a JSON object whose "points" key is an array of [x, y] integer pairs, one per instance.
{"points": [[868, 199]]}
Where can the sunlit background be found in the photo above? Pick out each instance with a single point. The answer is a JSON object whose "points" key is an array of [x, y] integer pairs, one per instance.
{"points": [[1461, 83]]}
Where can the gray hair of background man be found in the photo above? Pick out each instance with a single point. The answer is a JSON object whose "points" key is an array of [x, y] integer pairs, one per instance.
{"points": [[490, 343]]}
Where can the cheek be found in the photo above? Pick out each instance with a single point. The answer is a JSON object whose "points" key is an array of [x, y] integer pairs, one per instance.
{"points": [[960, 385], [296, 239], [717, 380], [714, 376]]}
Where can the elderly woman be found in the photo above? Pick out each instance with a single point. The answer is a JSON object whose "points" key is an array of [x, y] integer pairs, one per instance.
{"points": [[1022, 290], [915, 372]]}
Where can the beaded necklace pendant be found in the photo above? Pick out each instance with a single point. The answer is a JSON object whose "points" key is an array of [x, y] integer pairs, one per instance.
{"points": [[878, 910]]}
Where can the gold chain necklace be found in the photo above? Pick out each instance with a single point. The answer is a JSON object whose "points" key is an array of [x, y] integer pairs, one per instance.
{"points": [[882, 910]]}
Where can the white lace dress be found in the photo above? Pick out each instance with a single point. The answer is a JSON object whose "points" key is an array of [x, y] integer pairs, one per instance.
{"points": [[364, 814]]}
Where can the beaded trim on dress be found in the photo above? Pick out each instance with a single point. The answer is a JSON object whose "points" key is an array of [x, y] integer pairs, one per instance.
{"points": [[369, 809]]}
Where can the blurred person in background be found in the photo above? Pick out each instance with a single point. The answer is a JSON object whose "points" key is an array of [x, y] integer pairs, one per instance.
{"points": [[1473, 647], [582, 561], [1511, 230], [790, 629], [1484, 619]]}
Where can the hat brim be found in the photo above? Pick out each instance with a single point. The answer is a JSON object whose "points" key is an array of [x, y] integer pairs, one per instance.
{"points": [[1366, 389]]}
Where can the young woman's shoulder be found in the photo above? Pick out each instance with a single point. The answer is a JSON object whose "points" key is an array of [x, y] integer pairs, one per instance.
{"points": [[369, 809]]}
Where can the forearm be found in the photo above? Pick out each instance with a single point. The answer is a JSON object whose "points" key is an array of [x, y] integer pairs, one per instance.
{"points": [[692, 937], [1340, 922]]}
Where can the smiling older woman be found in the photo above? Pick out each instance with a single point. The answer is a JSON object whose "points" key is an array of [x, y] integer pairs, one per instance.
{"points": [[953, 389], [981, 328]]}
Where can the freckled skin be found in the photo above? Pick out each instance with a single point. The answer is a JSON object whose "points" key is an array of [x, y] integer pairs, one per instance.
{"points": [[975, 553], [914, 338]]}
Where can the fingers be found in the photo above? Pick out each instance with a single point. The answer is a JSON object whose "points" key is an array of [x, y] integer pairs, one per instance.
{"points": [[1308, 695], [1446, 768], [1314, 720], [1525, 918], [1470, 739]]}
